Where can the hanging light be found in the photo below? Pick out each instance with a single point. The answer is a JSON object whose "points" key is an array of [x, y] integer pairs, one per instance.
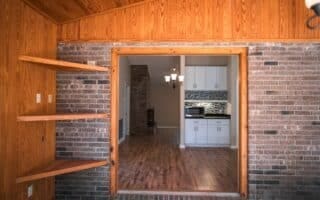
{"points": [[167, 78], [173, 77], [181, 78]]}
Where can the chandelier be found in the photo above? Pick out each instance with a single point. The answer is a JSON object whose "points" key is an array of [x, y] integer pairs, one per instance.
{"points": [[173, 78]]}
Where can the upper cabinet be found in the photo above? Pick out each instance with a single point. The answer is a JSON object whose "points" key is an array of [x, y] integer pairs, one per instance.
{"points": [[206, 78]]}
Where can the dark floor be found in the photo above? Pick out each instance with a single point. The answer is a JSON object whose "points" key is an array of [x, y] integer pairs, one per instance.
{"points": [[155, 162]]}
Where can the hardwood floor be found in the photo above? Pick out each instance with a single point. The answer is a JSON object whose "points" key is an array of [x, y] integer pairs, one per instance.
{"points": [[155, 162]]}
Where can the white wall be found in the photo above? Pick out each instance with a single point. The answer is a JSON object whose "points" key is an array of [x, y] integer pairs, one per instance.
{"points": [[165, 101], [233, 98], [124, 82], [182, 97], [206, 60]]}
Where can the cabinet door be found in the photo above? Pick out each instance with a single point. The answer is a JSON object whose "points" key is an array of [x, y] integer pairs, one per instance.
{"points": [[201, 134], [221, 78], [189, 132], [222, 135], [211, 78], [212, 134], [200, 78], [190, 78], [225, 135]]}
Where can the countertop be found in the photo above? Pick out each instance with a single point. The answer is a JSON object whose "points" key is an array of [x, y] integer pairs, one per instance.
{"points": [[210, 116]]}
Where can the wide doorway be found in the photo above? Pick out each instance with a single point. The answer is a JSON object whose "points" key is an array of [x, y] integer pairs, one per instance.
{"points": [[179, 122]]}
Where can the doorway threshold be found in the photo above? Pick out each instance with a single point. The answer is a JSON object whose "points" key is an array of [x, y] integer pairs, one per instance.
{"points": [[178, 193]]}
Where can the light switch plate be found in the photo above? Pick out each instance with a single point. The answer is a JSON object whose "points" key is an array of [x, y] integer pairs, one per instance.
{"points": [[38, 98], [30, 191]]}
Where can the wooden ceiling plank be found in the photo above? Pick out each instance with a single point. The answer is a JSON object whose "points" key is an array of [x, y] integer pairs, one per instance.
{"points": [[65, 11]]}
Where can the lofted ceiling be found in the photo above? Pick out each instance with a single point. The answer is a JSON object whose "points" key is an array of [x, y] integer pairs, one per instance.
{"points": [[64, 10]]}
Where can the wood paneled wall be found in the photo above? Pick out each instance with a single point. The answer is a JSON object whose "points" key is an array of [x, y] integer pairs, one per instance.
{"points": [[25, 146], [196, 20]]}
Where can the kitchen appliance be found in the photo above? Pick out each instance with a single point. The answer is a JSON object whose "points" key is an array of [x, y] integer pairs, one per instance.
{"points": [[194, 111]]}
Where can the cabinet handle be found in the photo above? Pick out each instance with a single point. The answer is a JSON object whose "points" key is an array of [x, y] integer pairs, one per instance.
{"points": [[194, 85]]}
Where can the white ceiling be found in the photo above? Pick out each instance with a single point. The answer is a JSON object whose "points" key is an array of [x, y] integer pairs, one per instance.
{"points": [[158, 65]]}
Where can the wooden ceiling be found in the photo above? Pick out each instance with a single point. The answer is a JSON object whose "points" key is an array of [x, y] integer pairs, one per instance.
{"points": [[64, 10]]}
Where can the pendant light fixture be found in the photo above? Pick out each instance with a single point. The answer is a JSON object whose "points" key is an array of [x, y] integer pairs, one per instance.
{"points": [[173, 78]]}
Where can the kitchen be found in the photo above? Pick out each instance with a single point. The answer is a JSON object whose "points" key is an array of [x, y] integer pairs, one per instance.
{"points": [[209, 99]]}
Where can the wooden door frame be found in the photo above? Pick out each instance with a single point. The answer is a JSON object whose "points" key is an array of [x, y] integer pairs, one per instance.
{"points": [[242, 52]]}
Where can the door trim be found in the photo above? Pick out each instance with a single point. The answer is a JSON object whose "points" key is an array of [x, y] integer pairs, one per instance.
{"points": [[242, 52]]}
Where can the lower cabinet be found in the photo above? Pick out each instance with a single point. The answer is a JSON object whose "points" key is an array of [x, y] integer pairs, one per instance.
{"points": [[207, 132]]}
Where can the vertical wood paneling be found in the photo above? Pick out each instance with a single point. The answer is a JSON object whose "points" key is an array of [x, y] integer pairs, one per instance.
{"points": [[196, 20], [25, 146]]}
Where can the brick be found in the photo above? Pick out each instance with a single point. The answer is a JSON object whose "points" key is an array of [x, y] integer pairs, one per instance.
{"points": [[283, 98]]}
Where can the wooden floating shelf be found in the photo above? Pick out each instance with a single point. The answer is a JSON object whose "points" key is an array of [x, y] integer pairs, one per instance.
{"points": [[59, 167], [60, 117], [63, 65]]}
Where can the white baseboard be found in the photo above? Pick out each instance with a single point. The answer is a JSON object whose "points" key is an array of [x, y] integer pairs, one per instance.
{"points": [[233, 147], [182, 146], [164, 126]]}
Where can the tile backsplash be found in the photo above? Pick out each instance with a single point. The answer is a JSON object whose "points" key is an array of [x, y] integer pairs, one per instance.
{"points": [[210, 107], [205, 95]]}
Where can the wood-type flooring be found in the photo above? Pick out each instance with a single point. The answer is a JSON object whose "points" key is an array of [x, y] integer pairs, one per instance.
{"points": [[155, 162]]}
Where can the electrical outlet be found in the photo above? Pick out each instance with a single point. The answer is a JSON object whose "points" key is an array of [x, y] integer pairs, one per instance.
{"points": [[30, 191], [38, 98], [50, 98]]}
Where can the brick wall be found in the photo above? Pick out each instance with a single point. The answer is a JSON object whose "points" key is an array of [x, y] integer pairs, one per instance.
{"points": [[139, 96], [284, 118], [83, 139]]}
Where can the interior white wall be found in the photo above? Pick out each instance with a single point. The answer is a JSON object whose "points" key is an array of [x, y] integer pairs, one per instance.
{"points": [[182, 96], [206, 60], [124, 82], [233, 98], [163, 98], [165, 101]]}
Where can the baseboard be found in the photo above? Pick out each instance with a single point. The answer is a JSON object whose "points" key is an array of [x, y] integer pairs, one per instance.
{"points": [[233, 147], [178, 193], [164, 126], [182, 146], [122, 140]]}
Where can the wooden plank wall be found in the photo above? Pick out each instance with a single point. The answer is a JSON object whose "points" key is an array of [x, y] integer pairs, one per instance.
{"points": [[196, 20], [25, 146]]}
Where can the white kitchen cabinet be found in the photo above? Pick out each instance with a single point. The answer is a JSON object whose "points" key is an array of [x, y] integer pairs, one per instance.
{"points": [[195, 78], [219, 132], [221, 78], [201, 134], [206, 78], [207, 132], [190, 78], [200, 78], [196, 131], [211, 78], [216, 78]]}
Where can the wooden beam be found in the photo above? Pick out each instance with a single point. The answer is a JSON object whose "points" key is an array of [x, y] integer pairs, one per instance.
{"points": [[227, 51], [114, 121], [59, 117], [62, 65], [59, 167], [243, 138]]}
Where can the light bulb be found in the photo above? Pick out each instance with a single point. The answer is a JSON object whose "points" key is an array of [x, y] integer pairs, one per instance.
{"points": [[167, 79], [174, 77], [181, 78]]}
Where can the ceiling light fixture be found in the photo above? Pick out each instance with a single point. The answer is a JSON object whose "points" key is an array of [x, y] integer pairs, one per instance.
{"points": [[173, 78]]}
